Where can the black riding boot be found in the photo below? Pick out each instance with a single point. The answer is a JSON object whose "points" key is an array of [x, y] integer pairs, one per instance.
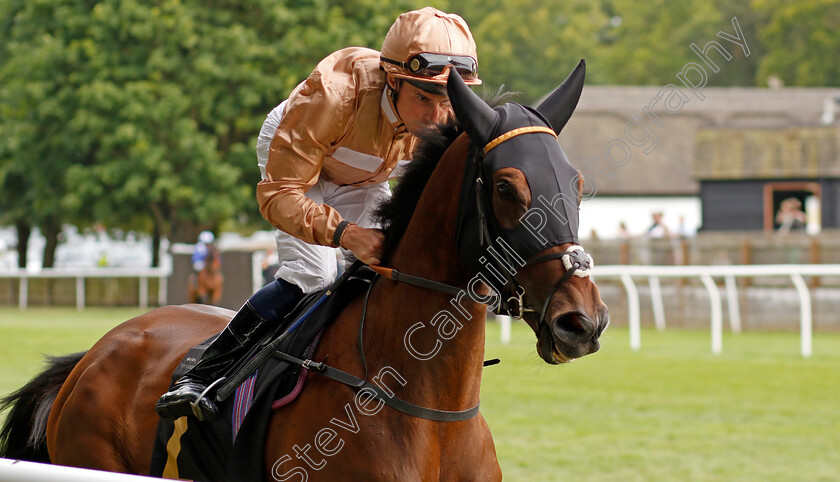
{"points": [[257, 315]]}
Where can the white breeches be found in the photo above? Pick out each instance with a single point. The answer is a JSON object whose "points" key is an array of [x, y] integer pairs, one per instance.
{"points": [[313, 267]]}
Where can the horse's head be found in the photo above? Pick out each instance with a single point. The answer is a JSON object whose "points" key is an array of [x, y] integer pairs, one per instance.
{"points": [[523, 240]]}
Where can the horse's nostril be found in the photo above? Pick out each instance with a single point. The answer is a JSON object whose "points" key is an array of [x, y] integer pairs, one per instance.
{"points": [[571, 322], [605, 321], [573, 334]]}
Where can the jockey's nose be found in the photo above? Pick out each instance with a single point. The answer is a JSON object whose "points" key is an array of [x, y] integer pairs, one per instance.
{"points": [[437, 113], [441, 112]]}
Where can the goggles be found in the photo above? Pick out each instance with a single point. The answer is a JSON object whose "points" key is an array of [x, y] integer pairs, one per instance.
{"points": [[426, 64]]}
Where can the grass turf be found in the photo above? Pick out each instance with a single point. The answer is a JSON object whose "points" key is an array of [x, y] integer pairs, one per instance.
{"points": [[672, 411]]}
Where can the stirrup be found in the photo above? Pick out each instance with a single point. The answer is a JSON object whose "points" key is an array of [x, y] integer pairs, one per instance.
{"points": [[198, 413]]}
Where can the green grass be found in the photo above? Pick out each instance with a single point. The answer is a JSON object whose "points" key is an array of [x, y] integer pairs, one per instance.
{"points": [[26, 336], [670, 412]]}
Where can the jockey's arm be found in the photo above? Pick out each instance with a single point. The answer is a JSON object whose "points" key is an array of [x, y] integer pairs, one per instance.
{"points": [[312, 121]]}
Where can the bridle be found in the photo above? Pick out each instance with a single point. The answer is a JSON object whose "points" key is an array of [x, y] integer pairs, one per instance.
{"points": [[576, 261]]}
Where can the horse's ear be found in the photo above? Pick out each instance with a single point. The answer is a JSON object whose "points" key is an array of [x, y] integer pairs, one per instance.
{"points": [[473, 114], [560, 104]]}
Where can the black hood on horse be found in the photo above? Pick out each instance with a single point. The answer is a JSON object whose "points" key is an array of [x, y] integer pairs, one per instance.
{"points": [[512, 136]]}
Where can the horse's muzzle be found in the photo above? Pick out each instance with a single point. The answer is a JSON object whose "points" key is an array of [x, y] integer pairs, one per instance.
{"points": [[571, 335]]}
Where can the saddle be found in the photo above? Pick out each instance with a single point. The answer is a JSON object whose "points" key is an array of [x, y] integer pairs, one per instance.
{"points": [[230, 447]]}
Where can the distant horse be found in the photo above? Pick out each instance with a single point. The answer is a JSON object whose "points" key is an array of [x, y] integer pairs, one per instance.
{"points": [[451, 216], [207, 285]]}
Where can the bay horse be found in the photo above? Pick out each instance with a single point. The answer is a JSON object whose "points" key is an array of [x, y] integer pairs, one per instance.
{"points": [[451, 211], [207, 286]]}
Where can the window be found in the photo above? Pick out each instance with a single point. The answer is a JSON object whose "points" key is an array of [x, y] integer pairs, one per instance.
{"points": [[802, 196]]}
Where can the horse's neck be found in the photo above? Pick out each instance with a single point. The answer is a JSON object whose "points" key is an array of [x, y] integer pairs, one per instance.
{"points": [[439, 340]]}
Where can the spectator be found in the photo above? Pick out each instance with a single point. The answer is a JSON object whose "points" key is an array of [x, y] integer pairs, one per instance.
{"points": [[683, 231], [790, 216], [658, 228], [623, 232]]}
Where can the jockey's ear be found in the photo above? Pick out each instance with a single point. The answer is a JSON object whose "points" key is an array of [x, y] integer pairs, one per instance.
{"points": [[393, 82]]}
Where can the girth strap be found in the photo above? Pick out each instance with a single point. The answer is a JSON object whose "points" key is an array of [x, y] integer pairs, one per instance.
{"points": [[380, 394]]}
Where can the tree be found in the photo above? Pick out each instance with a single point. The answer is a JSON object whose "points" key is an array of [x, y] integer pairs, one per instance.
{"points": [[145, 117], [38, 76], [530, 45], [650, 42], [742, 70], [803, 46]]}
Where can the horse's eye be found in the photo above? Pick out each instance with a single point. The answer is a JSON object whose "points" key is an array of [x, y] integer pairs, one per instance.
{"points": [[506, 190]]}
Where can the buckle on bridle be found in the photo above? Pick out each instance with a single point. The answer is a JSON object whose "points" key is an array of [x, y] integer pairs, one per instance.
{"points": [[516, 301]]}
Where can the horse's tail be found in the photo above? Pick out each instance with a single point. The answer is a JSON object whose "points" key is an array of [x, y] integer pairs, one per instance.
{"points": [[24, 433]]}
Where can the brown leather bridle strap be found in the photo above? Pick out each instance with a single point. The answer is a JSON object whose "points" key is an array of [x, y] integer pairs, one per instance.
{"points": [[395, 275], [575, 261]]}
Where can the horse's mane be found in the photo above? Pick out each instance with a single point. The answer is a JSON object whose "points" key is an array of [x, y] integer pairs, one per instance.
{"points": [[395, 213]]}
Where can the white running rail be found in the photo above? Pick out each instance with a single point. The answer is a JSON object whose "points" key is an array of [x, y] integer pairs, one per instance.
{"points": [[627, 274], [143, 274], [20, 471]]}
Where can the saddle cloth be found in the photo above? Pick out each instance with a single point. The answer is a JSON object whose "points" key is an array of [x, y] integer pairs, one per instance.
{"points": [[230, 448]]}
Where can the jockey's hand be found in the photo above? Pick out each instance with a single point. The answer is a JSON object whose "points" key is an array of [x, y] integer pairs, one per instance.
{"points": [[366, 244]]}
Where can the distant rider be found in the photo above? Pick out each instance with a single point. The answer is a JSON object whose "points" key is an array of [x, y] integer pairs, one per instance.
{"points": [[202, 247]]}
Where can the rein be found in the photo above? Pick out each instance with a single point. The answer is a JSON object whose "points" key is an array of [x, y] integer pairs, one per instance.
{"points": [[373, 390]]}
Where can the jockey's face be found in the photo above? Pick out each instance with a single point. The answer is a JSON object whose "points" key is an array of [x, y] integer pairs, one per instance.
{"points": [[419, 109]]}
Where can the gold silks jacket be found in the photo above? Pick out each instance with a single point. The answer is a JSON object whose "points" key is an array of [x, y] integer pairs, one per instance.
{"points": [[340, 124]]}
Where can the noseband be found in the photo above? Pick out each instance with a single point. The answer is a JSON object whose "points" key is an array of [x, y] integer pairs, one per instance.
{"points": [[576, 261]]}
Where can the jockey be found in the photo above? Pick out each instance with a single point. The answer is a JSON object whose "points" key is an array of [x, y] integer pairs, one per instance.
{"points": [[205, 239], [326, 154]]}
